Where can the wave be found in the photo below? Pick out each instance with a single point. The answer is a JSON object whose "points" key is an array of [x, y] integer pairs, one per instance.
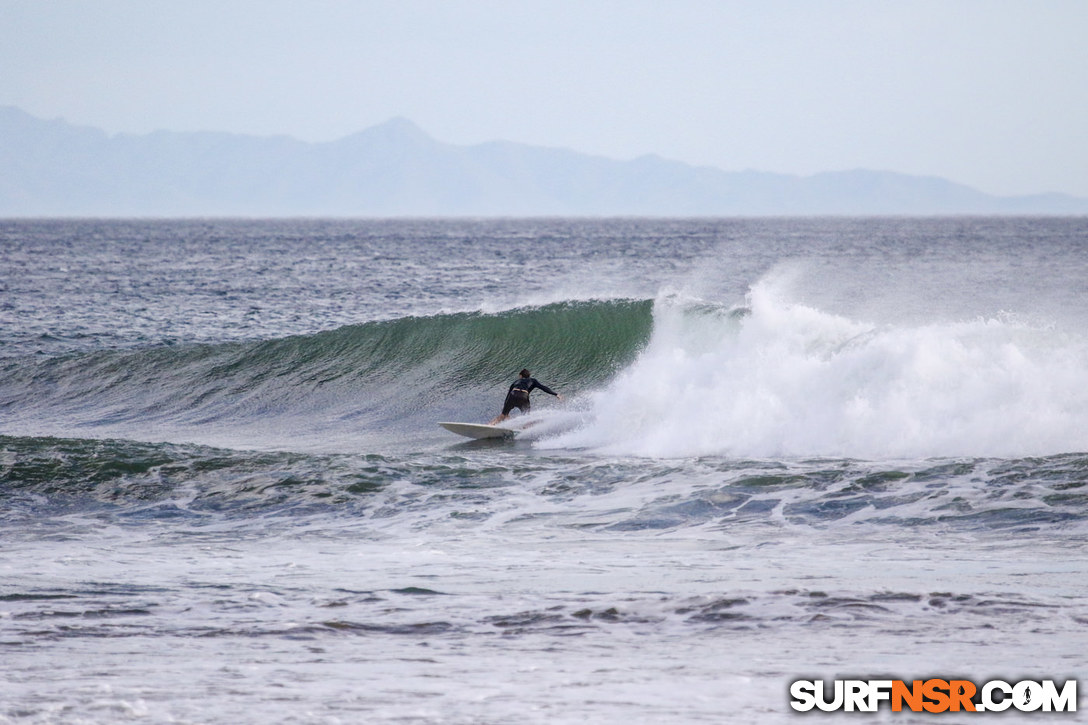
{"points": [[673, 377], [370, 376], [784, 379]]}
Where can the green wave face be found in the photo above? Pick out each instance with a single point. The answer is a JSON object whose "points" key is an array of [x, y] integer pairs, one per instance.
{"points": [[375, 373]]}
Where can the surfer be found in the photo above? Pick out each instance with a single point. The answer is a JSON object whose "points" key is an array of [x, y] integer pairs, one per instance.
{"points": [[518, 395]]}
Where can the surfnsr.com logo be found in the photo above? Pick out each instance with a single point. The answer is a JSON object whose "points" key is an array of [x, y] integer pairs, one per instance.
{"points": [[934, 695]]}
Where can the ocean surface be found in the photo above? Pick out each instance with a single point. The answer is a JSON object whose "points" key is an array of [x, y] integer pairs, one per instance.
{"points": [[787, 449]]}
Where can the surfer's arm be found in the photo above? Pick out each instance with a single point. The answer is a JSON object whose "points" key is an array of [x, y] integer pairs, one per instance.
{"points": [[545, 388]]}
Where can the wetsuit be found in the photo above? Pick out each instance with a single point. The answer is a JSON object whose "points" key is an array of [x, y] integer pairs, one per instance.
{"points": [[518, 395]]}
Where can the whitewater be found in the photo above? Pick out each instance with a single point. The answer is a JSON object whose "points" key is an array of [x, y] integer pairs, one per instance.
{"points": [[788, 449]]}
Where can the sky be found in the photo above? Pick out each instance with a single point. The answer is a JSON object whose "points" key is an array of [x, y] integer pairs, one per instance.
{"points": [[989, 93]]}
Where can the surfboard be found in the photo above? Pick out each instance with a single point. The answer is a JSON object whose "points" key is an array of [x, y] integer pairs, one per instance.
{"points": [[477, 430]]}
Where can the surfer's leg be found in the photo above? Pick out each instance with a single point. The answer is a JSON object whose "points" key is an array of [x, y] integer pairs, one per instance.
{"points": [[509, 404]]}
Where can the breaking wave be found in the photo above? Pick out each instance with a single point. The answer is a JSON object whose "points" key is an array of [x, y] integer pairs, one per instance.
{"points": [[781, 379]]}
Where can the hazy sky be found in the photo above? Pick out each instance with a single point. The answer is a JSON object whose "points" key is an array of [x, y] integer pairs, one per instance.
{"points": [[990, 93]]}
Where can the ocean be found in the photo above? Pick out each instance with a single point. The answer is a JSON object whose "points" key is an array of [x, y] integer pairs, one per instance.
{"points": [[787, 449]]}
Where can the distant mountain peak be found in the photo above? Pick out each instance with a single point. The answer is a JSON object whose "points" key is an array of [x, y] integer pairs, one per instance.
{"points": [[397, 130]]}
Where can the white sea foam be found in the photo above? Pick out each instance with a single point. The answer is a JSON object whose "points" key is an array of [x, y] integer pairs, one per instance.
{"points": [[786, 379]]}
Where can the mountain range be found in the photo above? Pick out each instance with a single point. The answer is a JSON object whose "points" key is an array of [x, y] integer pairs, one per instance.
{"points": [[54, 168]]}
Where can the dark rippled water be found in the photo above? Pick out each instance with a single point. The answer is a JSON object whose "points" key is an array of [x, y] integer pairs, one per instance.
{"points": [[787, 449]]}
